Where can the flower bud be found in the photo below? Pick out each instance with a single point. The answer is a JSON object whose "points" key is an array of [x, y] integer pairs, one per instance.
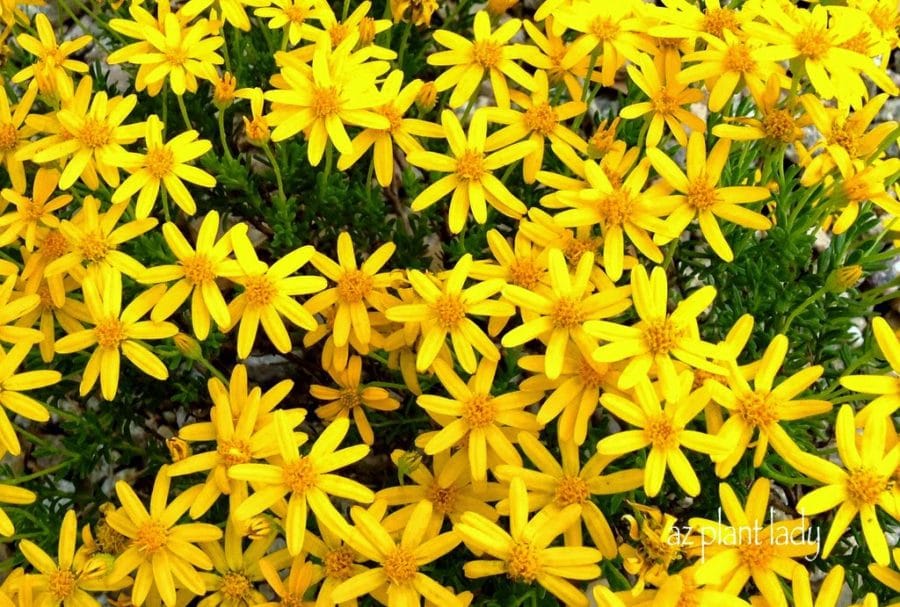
{"points": [[366, 31], [257, 130], [499, 7], [844, 278], [178, 449], [223, 91], [603, 139], [427, 97], [258, 527], [188, 346]]}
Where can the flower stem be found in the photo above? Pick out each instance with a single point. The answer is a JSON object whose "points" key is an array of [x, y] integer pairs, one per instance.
{"points": [[184, 113], [221, 120], [329, 159], [806, 303], [277, 171], [165, 203]]}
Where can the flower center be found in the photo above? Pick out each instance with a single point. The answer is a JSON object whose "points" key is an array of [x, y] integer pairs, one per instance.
{"points": [[32, 211], [151, 537], [661, 432], [353, 286], [575, 247], [159, 162], [46, 299], [615, 208], [198, 269], [756, 555], [523, 564], [94, 247], [257, 129], [567, 313], [487, 53], [859, 43], [593, 375], [338, 32], [664, 102], [812, 43], [448, 311], [845, 137], [296, 14], [689, 596], [603, 138], [326, 101], [339, 563], [701, 195], [661, 336], [525, 273], [110, 333], [393, 116], [443, 499], [604, 28], [176, 56], [571, 490], [864, 486], [856, 189], [779, 125], [479, 411], [541, 119], [61, 584], [109, 540], [885, 19], [94, 134], [260, 291], [235, 586], [470, 166], [717, 20], [757, 409], [234, 451], [300, 476], [349, 398], [9, 137], [738, 59], [400, 566], [54, 245]]}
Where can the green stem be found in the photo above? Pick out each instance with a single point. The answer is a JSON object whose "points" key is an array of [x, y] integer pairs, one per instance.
{"points": [[165, 108], [184, 113], [225, 54], [470, 105], [209, 367], [277, 171], [165, 203], [806, 303], [19, 480], [590, 74], [222, 137], [329, 160], [404, 39], [346, 10], [387, 384]]}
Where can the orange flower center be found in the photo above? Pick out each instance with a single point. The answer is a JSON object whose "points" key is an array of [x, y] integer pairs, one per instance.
{"points": [[701, 195], [338, 32], [864, 486], [9, 137], [470, 166], [260, 290], [339, 563], [257, 129], [393, 116], [400, 566], [159, 162], [94, 133], [717, 20], [479, 411], [54, 245], [661, 432], [234, 451], [523, 563], [296, 14], [177, 55], [885, 18], [571, 490], [94, 247], [326, 101], [664, 102], [525, 273], [859, 43], [812, 43], [738, 59], [541, 119], [756, 555], [575, 247], [448, 311], [235, 586], [353, 286], [567, 313], [442, 498], [110, 333], [300, 476], [592, 374], [46, 299], [615, 208], [61, 584], [198, 269], [487, 53], [846, 137], [662, 336], [32, 211], [757, 409], [779, 125], [350, 398], [604, 28], [151, 537]]}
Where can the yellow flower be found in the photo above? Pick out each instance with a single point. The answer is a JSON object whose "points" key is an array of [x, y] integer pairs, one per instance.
{"points": [[289, 15], [420, 11], [667, 96], [699, 195], [334, 32], [91, 131], [864, 482], [686, 20], [70, 315], [446, 311], [196, 273], [733, 555], [306, 480], [657, 545], [449, 488], [352, 398], [10, 494], [658, 336], [777, 125], [860, 184], [763, 406], [552, 57], [94, 240], [51, 70], [559, 316], [402, 131], [12, 385], [664, 430], [268, 294], [399, 562], [290, 590], [236, 570], [32, 213], [234, 12], [475, 419], [161, 550], [558, 484], [829, 588], [487, 52], [320, 100], [165, 164], [339, 561], [14, 308], [471, 170], [539, 121], [523, 554], [885, 387], [356, 288], [256, 127], [238, 427], [115, 332], [13, 134], [224, 90]]}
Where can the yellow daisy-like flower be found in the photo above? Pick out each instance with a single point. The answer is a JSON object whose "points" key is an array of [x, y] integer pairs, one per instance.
{"points": [[700, 197], [763, 406], [885, 387], [356, 288], [165, 164], [70, 315], [12, 385], [116, 332], [471, 178], [682, 19], [487, 52], [268, 294], [476, 419], [51, 70], [289, 592], [32, 213], [12, 495], [773, 123], [664, 430], [733, 556], [658, 336], [667, 98], [92, 133], [306, 480], [161, 550], [552, 57], [13, 133], [861, 184], [236, 571], [829, 588], [559, 316], [558, 484], [351, 398], [234, 12], [523, 553], [398, 573], [289, 15], [196, 273], [339, 561], [446, 311], [15, 308], [864, 482]]}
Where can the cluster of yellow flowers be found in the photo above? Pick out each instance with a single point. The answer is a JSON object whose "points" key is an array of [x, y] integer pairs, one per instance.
{"points": [[554, 286]]}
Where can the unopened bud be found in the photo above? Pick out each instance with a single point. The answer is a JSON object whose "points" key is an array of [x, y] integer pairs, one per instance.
{"points": [[844, 278], [98, 567], [257, 130], [499, 7], [408, 463], [366, 31], [603, 139], [427, 97], [178, 449], [258, 528], [223, 91], [188, 346]]}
